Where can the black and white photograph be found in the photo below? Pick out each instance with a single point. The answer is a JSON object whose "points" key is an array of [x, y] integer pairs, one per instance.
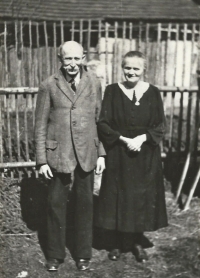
{"points": [[100, 138]]}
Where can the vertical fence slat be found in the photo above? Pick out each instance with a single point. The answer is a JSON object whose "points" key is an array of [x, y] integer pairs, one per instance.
{"points": [[47, 48], [184, 51], [123, 37], [192, 50], [26, 128], [81, 32], [147, 50], [180, 124], [176, 53], [62, 31], [1, 129], [6, 54], [54, 47], [140, 36], [22, 54], [166, 52], [89, 39], [8, 126], [131, 35], [158, 52], [171, 119], [30, 77], [106, 49], [39, 55], [72, 31], [17, 126], [115, 64], [188, 121], [16, 36]]}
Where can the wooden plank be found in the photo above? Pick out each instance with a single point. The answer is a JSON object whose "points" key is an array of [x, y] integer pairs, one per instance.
{"points": [[188, 122], [22, 54], [123, 37], [47, 49], [184, 51], [38, 53], [17, 127], [33, 108], [81, 32], [6, 54], [180, 124], [106, 50], [131, 35], [62, 32], [166, 52], [140, 37], [176, 53], [26, 128], [99, 29], [115, 60], [147, 50], [89, 39], [8, 127], [30, 77], [55, 47], [72, 31], [171, 120], [158, 54], [1, 130], [16, 36], [17, 164]]}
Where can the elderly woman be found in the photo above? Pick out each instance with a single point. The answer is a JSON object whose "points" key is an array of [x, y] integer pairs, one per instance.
{"points": [[131, 126]]}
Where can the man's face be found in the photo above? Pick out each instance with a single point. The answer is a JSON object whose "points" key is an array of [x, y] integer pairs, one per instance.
{"points": [[72, 59]]}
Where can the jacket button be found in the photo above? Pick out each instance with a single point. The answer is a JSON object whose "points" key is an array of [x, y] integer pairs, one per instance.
{"points": [[74, 122]]}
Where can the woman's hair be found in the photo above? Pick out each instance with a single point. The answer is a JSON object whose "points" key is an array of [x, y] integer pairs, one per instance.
{"points": [[134, 54]]}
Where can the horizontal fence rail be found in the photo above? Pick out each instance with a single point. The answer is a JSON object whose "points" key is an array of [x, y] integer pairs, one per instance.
{"points": [[17, 117]]}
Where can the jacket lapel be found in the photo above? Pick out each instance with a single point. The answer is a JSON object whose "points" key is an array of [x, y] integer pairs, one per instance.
{"points": [[82, 85], [64, 86]]}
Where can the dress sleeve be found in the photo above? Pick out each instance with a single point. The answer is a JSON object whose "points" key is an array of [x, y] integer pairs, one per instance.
{"points": [[156, 133], [107, 135]]}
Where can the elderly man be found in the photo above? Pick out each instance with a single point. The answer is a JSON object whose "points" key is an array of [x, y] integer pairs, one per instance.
{"points": [[67, 110]]}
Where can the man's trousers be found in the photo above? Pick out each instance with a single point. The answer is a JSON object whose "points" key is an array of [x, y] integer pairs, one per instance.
{"points": [[58, 191]]}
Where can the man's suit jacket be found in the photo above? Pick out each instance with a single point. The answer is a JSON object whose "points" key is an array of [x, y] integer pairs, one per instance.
{"points": [[65, 127]]}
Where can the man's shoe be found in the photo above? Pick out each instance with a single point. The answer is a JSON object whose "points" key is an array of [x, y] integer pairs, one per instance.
{"points": [[114, 254], [140, 254], [83, 264], [53, 264]]}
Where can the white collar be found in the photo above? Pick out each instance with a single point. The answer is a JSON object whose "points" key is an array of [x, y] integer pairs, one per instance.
{"points": [[76, 79], [140, 88]]}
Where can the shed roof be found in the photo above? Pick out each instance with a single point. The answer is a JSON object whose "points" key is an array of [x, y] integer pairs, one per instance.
{"points": [[100, 9]]}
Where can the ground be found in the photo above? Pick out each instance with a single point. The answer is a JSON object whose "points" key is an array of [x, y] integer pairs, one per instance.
{"points": [[176, 252]]}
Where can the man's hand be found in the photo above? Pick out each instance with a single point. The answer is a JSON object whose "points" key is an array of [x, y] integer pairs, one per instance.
{"points": [[135, 143], [46, 171], [100, 165]]}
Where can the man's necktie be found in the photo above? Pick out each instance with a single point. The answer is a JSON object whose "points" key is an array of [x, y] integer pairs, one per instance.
{"points": [[73, 86]]}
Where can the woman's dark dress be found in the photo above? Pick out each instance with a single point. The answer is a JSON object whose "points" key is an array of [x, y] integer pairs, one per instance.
{"points": [[132, 195]]}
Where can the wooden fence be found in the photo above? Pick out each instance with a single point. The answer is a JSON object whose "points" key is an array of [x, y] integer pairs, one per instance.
{"points": [[28, 49], [17, 154]]}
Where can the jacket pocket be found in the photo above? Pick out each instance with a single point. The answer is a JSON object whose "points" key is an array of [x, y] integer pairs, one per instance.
{"points": [[96, 141], [51, 144], [52, 151]]}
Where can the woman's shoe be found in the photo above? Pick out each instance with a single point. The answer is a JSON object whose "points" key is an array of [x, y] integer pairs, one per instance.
{"points": [[140, 254], [83, 264], [114, 254]]}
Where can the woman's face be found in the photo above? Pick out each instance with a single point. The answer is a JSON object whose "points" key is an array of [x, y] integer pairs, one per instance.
{"points": [[133, 69]]}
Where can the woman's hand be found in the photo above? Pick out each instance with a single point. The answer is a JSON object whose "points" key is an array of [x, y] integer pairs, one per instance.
{"points": [[134, 144]]}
